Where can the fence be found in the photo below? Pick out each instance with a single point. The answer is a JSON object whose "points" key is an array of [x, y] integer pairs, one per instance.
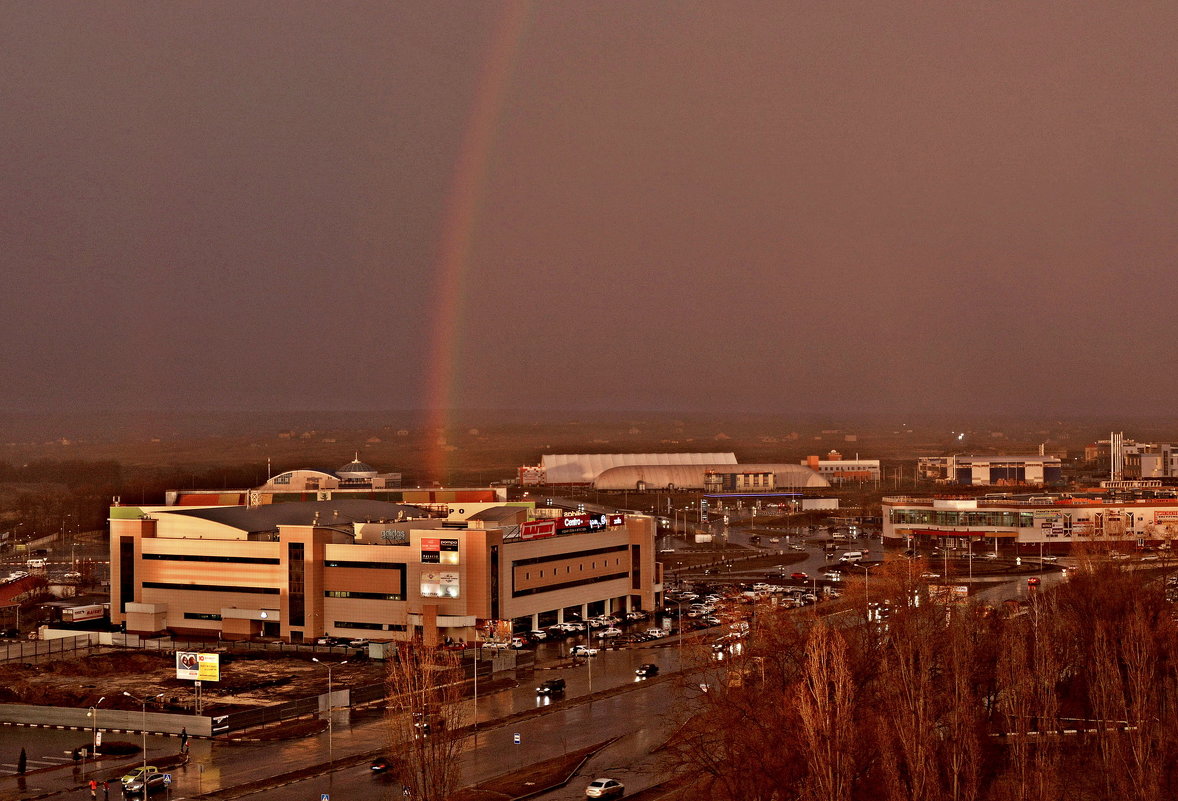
{"points": [[36, 651]]}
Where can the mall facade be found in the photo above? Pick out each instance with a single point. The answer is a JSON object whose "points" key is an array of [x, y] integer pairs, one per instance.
{"points": [[383, 571], [1055, 522]]}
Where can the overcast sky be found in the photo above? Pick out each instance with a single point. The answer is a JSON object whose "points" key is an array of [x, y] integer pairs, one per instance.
{"points": [[750, 206]]}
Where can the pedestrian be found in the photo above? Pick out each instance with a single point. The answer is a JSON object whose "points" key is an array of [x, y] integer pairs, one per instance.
{"points": [[105, 790], [93, 790], [184, 740]]}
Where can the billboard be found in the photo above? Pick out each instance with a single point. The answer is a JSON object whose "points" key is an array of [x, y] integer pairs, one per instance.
{"points": [[537, 529], [581, 523], [1165, 516], [194, 666]]}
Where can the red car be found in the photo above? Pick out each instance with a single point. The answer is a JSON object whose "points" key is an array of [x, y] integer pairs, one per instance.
{"points": [[1033, 581], [799, 577]]}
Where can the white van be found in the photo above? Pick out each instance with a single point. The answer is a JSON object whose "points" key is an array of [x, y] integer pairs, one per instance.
{"points": [[851, 556], [36, 564]]}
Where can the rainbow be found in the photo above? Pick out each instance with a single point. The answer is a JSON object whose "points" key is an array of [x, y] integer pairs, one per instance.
{"points": [[465, 197]]}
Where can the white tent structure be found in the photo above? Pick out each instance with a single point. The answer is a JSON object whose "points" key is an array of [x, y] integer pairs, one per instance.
{"points": [[584, 468]]}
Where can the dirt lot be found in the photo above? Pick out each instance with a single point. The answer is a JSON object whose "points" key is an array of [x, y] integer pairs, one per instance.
{"points": [[245, 680]]}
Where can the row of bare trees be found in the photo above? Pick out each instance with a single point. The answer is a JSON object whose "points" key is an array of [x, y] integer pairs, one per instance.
{"points": [[1074, 693]]}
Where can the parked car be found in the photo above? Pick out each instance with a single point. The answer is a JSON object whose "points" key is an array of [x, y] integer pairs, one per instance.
{"points": [[358, 642], [605, 788], [647, 670], [517, 643], [143, 781], [538, 634], [654, 634], [611, 632], [551, 687]]}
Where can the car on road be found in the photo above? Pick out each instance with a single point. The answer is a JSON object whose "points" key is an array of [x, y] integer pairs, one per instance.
{"points": [[610, 632], [72, 575], [358, 642], [582, 650], [495, 645], [711, 620], [833, 575], [551, 687], [774, 540], [1033, 581], [380, 765], [799, 576], [605, 788], [655, 634], [647, 670], [143, 781]]}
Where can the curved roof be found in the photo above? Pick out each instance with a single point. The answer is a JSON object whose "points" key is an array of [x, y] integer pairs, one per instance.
{"points": [[629, 477], [583, 468], [356, 469]]}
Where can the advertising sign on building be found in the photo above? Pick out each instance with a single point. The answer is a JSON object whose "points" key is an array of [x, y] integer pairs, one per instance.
{"points": [[194, 666], [1165, 516], [617, 520], [439, 584], [537, 529], [580, 523]]}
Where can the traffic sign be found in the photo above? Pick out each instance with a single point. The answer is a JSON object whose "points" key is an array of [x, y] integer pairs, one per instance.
{"points": [[324, 797], [167, 778], [515, 738]]}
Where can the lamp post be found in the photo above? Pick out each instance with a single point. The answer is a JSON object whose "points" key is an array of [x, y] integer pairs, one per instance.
{"points": [[679, 624], [330, 748], [866, 599], [93, 715], [143, 702]]}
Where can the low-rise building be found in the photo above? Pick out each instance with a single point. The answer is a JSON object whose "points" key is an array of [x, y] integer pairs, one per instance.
{"points": [[357, 568], [1056, 521]]}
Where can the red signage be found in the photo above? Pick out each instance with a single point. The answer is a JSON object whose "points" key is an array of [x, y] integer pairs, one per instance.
{"points": [[617, 520], [431, 544], [537, 529]]}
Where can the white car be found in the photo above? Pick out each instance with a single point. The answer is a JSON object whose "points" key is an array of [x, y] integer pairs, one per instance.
{"points": [[605, 788], [495, 645], [582, 650], [655, 634], [538, 634], [611, 632], [572, 626]]}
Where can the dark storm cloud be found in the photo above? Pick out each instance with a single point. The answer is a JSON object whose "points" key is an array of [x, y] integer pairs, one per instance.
{"points": [[859, 206]]}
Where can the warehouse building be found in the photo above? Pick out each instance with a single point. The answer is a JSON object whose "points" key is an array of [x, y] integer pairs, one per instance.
{"points": [[991, 471], [360, 568]]}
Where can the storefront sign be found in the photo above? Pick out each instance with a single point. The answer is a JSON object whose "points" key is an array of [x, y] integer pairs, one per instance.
{"points": [[537, 529]]}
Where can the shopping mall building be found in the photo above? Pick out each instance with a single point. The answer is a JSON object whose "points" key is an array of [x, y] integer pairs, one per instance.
{"points": [[1141, 519], [364, 568]]}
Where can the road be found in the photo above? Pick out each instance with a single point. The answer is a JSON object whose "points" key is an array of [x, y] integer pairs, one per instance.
{"points": [[638, 718]]}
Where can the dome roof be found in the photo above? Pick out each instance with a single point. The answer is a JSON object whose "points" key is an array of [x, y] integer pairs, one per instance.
{"points": [[356, 469]]}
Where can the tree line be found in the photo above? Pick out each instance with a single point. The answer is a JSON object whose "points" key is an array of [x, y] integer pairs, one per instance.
{"points": [[1072, 693]]}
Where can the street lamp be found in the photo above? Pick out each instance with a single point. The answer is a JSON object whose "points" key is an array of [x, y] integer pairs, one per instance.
{"points": [[143, 702], [93, 714], [330, 749]]}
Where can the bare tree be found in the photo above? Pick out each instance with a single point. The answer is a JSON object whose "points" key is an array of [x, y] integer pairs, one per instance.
{"points": [[826, 704], [425, 690]]}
